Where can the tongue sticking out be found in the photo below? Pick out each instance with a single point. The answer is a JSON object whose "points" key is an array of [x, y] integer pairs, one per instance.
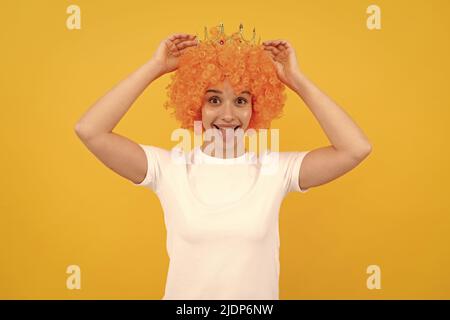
{"points": [[226, 133]]}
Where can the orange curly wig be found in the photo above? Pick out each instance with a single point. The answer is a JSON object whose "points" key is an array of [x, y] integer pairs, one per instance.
{"points": [[246, 67]]}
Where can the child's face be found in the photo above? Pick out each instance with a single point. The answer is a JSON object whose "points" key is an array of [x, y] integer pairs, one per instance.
{"points": [[222, 108]]}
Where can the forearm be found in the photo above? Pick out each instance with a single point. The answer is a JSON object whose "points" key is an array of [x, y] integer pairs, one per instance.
{"points": [[106, 112], [343, 133]]}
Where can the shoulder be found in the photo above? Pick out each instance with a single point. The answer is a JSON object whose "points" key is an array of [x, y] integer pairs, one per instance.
{"points": [[281, 161], [281, 157], [156, 154], [166, 157]]}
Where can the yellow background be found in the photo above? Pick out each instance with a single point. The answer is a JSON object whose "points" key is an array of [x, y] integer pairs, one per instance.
{"points": [[61, 206]]}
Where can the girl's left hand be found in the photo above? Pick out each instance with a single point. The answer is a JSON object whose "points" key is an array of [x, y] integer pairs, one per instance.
{"points": [[285, 60]]}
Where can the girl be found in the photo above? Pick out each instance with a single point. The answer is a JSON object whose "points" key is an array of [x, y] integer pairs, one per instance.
{"points": [[220, 209]]}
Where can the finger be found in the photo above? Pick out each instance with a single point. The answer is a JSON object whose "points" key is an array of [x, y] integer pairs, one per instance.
{"points": [[185, 44], [185, 47], [177, 50], [274, 44], [171, 45], [178, 36], [175, 36], [188, 37], [281, 43], [174, 40], [269, 47], [181, 51], [270, 54], [177, 41], [281, 47], [268, 43], [180, 39], [284, 44], [274, 50]]}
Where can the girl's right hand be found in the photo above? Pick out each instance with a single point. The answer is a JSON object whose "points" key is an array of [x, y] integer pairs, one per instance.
{"points": [[171, 48]]}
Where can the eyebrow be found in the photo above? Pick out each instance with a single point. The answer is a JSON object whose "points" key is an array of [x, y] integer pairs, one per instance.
{"points": [[217, 91]]}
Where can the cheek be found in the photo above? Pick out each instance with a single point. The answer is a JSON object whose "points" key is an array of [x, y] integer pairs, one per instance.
{"points": [[208, 115], [246, 115]]}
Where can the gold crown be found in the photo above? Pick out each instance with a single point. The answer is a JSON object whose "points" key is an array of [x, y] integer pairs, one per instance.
{"points": [[217, 36]]}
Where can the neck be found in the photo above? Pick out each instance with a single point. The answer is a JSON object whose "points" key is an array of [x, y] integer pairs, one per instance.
{"points": [[227, 152]]}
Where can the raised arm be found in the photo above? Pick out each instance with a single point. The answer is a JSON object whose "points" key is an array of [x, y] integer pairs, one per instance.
{"points": [[95, 128], [349, 145]]}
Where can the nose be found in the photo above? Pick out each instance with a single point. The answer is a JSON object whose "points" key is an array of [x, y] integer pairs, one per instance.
{"points": [[228, 111]]}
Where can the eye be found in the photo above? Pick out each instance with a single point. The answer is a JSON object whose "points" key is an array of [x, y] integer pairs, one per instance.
{"points": [[213, 99], [242, 99]]}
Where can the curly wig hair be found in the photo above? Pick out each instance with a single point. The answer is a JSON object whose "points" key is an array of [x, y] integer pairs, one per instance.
{"points": [[246, 66]]}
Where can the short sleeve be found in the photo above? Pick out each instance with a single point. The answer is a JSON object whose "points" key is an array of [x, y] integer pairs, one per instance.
{"points": [[293, 165], [152, 175]]}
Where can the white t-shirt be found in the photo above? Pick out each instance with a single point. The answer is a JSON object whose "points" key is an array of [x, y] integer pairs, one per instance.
{"points": [[221, 217]]}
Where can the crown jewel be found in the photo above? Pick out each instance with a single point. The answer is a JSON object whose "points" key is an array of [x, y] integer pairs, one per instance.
{"points": [[217, 36]]}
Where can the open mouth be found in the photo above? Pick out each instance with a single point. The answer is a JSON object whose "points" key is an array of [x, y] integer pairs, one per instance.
{"points": [[224, 128]]}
